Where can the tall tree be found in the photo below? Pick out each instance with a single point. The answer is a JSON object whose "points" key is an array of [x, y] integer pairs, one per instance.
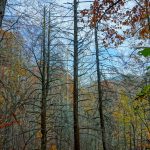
{"points": [[100, 95], [44, 88], [75, 92], [2, 10]]}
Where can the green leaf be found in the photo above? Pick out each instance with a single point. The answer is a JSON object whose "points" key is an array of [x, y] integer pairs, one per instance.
{"points": [[145, 90], [148, 68], [145, 52]]}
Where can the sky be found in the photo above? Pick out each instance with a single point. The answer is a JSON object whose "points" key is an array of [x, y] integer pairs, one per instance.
{"points": [[32, 5]]}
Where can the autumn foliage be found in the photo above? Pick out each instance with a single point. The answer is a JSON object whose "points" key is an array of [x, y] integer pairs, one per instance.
{"points": [[131, 21]]}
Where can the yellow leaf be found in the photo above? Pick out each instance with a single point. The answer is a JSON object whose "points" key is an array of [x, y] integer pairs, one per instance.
{"points": [[39, 134], [53, 147]]}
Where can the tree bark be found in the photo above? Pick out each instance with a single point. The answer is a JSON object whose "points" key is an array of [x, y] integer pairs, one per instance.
{"points": [[43, 97], [102, 126], [75, 93], [2, 10]]}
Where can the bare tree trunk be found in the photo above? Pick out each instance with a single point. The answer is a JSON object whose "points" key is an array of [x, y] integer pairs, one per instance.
{"points": [[148, 18], [134, 136], [118, 140], [43, 98], [141, 138], [102, 126], [124, 132], [2, 10], [75, 93]]}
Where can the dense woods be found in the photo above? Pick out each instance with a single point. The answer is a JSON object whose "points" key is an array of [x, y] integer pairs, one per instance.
{"points": [[74, 75]]}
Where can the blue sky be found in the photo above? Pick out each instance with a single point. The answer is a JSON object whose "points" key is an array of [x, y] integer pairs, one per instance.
{"points": [[30, 9]]}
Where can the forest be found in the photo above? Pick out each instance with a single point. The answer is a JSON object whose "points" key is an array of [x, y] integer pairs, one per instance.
{"points": [[74, 75]]}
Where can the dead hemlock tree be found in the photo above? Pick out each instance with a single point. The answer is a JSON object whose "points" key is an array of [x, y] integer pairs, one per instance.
{"points": [[2, 10]]}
